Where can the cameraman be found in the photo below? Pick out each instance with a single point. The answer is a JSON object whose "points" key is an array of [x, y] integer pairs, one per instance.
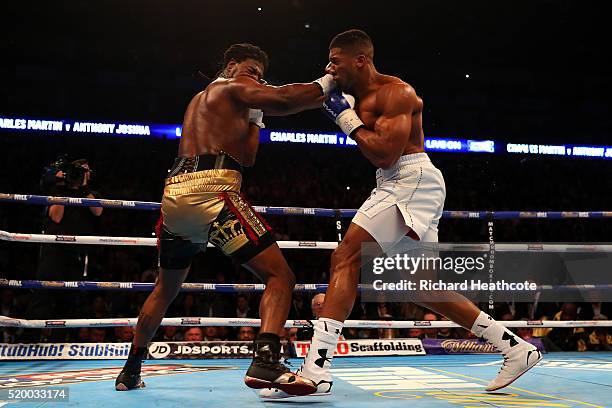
{"points": [[76, 184], [64, 261]]}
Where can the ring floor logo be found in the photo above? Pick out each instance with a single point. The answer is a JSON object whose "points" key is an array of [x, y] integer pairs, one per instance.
{"points": [[97, 374], [408, 383]]}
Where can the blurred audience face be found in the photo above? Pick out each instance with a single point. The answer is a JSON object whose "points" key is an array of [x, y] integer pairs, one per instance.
{"points": [[188, 302], [125, 333], [194, 334], [242, 303], [222, 332], [507, 317], [569, 311], [83, 334], [416, 333], [432, 317], [210, 332], [99, 306], [292, 334], [97, 335], [220, 277], [170, 331], [246, 333], [317, 304], [525, 332], [445, 331]]}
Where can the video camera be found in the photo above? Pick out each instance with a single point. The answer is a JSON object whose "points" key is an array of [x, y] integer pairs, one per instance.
{"points": [[73, 173]]}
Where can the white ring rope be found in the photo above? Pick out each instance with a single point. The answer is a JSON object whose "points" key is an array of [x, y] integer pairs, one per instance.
{"points": [[237, 322], [141, 241]]}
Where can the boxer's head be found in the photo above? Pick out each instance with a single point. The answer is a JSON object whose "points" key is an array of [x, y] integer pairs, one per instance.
{"points": [[244, 59], [350, 54]]}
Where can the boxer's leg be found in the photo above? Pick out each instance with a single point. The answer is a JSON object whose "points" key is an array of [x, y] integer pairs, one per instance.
{"points": [[242, 234], [339, 300], [175, 258], [271, 267], [266, 370], [519, 356]]}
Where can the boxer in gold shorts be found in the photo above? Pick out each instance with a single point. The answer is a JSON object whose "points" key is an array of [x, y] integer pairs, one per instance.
{"points": [[206, 206], [202, 203]]}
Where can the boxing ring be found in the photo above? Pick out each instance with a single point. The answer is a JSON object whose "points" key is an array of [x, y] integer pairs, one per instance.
{"points": [[568, 379]]}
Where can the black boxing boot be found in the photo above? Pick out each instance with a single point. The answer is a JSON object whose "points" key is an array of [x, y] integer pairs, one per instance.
{"points": [[129, 377], [267, 371]]}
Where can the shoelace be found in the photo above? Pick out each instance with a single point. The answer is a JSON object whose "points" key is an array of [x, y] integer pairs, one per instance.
{"points": [[278, 365], [506, 358]]}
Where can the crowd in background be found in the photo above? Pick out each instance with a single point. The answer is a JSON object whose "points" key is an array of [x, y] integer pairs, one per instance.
{"points": [[284, 175]]}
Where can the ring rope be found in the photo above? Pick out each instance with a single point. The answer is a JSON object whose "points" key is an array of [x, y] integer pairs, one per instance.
{"points": [[317, 212], [222, 287], [237, 322], [141, 241]]}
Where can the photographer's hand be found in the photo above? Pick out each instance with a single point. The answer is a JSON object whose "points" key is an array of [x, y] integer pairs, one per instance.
{"points": [[97, 211]]}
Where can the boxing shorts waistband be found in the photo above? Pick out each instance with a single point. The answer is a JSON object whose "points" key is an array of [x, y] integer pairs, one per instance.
{"points": [[202, 162], [413, 158], [403, 164]]}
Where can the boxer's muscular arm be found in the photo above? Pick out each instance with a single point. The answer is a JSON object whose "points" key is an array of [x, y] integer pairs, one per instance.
{"points": [[383, 146], [276, 100], [252, 145]]}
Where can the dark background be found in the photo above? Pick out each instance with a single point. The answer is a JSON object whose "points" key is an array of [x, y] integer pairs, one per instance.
{"points": [[538, 69]]}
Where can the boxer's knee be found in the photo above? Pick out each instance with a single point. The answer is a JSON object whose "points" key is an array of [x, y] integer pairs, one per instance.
{"points": [[282, 275], [169, 284]]}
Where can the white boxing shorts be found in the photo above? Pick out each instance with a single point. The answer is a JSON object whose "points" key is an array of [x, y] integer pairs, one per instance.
{"points": [[409, 196]]}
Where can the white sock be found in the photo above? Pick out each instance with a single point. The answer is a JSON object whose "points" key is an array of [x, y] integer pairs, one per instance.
{"points": [[496, 334], [324, 342]]}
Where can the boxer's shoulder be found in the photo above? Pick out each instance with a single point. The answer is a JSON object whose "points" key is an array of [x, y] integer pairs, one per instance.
{"points": [[396, 93]]}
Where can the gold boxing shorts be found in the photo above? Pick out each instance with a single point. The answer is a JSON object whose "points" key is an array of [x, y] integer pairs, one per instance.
{"points": [[206, 206]]}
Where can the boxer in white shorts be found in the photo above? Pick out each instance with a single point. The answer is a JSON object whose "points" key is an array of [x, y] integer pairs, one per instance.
{"points": [[386, 123], [408, 200]]}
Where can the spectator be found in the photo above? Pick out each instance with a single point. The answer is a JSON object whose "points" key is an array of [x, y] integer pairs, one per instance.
{"points": [[243, 310], [189, 306], [194, 334], [246, 333], [317, 303], [99, 308], [97, 335], [595, 311], [447, 332], [300, 309], [222, 332], [124, 334], [433, 332], [210, 333], [292, 334], [83, 335], [48, 336], [566, 338], [416, 333], [170, 333], [599, 340], [525, 333]]}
